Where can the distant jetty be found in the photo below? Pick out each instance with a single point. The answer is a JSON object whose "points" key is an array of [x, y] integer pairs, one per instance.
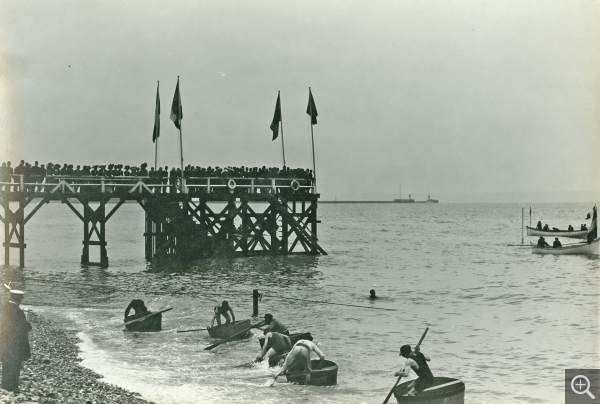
{"points": [[409, 200]]}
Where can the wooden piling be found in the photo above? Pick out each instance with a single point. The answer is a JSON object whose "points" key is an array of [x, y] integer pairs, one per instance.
{"points": [[255, 303]]}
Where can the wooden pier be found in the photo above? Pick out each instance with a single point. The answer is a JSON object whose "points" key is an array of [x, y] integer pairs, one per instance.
{"points": [[185, 218]]}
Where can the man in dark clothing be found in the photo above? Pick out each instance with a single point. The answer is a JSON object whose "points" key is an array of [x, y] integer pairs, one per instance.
{"points": [[542, 243], [539, 225], [556, 243], [14, 343], [138, 307], [273, 326], [546, 227], [416, 361], [275, 344]]}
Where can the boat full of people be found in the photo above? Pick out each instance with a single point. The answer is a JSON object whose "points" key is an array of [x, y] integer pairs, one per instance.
{"points": [[588, 247]]}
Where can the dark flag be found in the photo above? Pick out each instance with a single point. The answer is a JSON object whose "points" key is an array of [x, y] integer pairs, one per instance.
{"points": [[176, 110], [311, 109], [156, 132], [276, 118], [593, 233]]}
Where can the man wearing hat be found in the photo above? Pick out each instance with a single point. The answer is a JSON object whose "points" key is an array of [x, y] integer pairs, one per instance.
{"points": [[273, 326], [14, 343], [416, 361]]}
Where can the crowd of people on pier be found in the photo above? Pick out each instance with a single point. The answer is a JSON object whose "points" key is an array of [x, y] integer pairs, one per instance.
{"points": [[50, 173]]}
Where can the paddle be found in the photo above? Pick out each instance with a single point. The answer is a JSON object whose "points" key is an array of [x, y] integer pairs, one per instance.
{"points": [[145, 317], [194, 329], [400, 377], [208, 348]]}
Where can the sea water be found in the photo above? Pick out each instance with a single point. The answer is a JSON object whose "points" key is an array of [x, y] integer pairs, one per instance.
{"points": [[504, 321]]}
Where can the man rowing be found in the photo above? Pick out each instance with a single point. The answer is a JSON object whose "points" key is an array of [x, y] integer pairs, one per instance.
{"points": [[557, 243], [275, 344], [299, 359], [272, 325], [139, 309], [416, 361], [223, 310], [542, 243]]}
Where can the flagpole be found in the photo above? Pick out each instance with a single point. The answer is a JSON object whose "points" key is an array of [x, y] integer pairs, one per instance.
{"points": [[313, 142], [180, 135], [156, 140], [281, 122]]}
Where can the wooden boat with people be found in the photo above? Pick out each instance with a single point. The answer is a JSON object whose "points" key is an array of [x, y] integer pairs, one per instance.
{"points": [[570, 249], [532, 231], [325, 376], [444, 390], [225, 331]]}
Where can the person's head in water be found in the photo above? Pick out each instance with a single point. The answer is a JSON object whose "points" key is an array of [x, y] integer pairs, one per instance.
{"points": [[372, 294], [405, 351], [268, 318]]}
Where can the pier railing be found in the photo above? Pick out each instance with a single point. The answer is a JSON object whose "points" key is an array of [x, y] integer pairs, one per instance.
{"points": [[121, 186]]}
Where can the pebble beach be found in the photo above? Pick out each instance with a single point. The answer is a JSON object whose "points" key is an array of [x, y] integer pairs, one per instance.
{"points": [[53, 374]]}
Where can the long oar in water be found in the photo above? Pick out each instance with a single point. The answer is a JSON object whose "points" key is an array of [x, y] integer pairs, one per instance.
{"points": [[193, 329], [400, 377], [145, 317], [208, 348]]}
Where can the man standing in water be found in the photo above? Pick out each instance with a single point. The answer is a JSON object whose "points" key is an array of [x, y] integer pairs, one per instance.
{"points": [[416, 361], [223, 310], [299, 359], [275, 344], [14, 343]]}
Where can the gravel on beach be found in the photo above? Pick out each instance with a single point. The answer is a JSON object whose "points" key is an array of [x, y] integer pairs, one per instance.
{"points": [[54, 375]]}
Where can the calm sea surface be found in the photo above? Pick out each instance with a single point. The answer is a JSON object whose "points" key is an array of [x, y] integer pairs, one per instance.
{"points": [[504, 321]]}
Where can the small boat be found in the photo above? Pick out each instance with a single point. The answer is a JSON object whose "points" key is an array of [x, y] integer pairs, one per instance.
{"points": [[225, 331], [152, 323], [444, 390], [326, 376], [532, 231], [570, 249]]}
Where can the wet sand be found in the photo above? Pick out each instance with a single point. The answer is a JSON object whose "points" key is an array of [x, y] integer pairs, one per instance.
{"points": [[54, 375]]}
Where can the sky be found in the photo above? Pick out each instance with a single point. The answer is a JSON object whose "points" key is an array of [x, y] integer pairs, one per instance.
{"points": [[463, 100]]}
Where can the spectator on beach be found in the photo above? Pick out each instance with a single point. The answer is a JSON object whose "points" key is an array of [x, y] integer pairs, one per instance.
{"points": [[556, 243], [14, 342], [299, 359], [223, 310], [416, 361]]}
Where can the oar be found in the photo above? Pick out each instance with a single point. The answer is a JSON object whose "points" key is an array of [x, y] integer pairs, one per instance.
{"points": [[208, 348], [145, 317], [399, 377], [194, 329]]}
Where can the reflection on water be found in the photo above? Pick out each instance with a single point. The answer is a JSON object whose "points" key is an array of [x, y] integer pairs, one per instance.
{"points": [[501, 319]]}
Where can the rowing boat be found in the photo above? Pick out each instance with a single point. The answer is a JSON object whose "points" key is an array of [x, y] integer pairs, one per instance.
{"points": [[152, 323], [444, 390], [532, 231], [571, 249], [326, 376], [225, 331]]}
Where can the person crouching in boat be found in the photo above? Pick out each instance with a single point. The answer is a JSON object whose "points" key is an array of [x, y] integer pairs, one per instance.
{"points": [[542, 243], [299, 359], [275, 344], [416, 361], [139, 308], [557, 243], [272, 325], [223, 310]]}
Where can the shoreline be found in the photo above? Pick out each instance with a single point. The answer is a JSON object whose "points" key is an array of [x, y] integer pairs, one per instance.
{"points": [[53, 374]]}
